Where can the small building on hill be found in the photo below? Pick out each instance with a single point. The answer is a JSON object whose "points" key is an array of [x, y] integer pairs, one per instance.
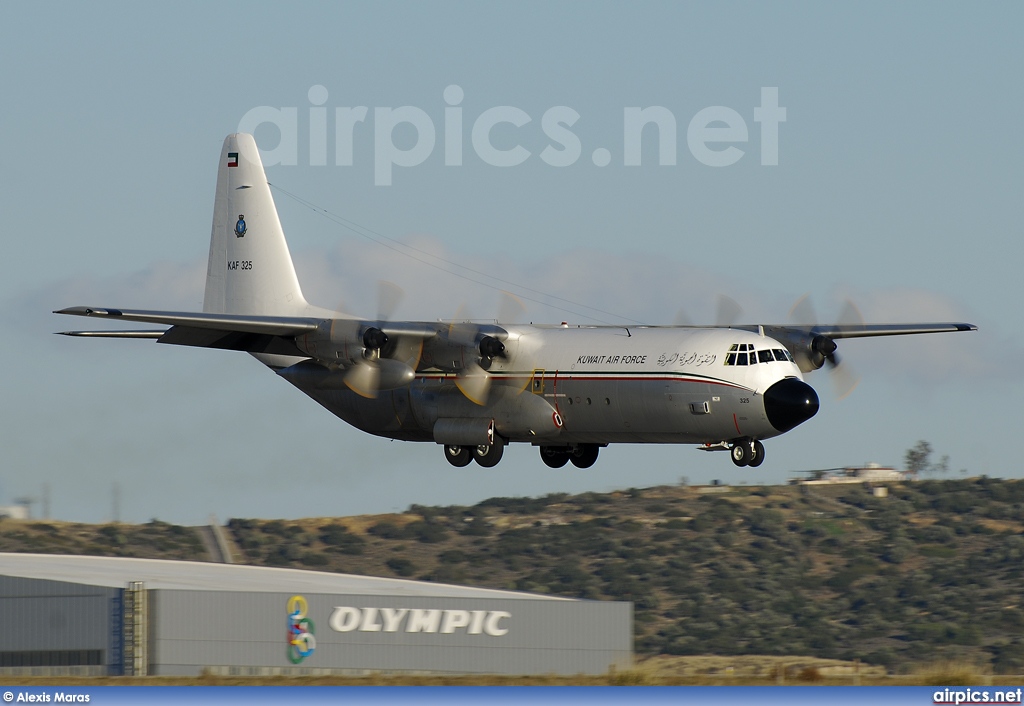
{"points": [[14, 512], [871, 473], [122, 616]]}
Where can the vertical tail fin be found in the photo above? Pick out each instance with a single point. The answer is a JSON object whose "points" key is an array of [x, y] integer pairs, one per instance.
{"points": [[250, 270]]}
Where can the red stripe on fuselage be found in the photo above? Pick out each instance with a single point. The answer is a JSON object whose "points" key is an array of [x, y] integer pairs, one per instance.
{"points": [[589, 378]]}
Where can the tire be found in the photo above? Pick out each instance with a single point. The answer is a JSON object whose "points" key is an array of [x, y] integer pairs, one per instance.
{"points": [[553, 458], [757, 457], [458, 456], [741, 453], [584, 455], [488, 456]]}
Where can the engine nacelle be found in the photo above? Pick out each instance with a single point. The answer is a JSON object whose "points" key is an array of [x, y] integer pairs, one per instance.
{"points": [[347, 340], [809, 351], [334, 341], [393, 374], [819, 349]]}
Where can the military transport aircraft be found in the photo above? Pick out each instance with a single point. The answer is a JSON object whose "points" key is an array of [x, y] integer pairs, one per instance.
{"points": [[473, 388]]}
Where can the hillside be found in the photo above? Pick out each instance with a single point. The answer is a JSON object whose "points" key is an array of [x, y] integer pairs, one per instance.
{"points": [[931, 572]]}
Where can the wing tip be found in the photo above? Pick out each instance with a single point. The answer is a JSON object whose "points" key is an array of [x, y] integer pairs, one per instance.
{"points": [[88, 311]]}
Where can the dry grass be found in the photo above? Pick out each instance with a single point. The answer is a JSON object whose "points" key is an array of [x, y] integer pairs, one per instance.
{"points": [[759, 669], [950, 673], [657, 671]]}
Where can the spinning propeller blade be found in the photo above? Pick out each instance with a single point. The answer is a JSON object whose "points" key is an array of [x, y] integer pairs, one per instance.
{"points": [[727, 312], [363, 378], [480, 349], [822, 349]]}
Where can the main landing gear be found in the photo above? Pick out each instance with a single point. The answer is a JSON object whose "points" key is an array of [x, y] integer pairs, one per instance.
{"points": [[581, 455], [487, 455], [747, 452]]}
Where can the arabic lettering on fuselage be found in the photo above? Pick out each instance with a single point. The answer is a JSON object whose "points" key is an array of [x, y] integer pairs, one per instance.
{"points": [[684, 359]]}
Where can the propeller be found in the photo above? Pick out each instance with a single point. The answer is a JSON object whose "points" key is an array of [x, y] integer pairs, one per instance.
{"points": [[510, 308], [821, 350], [376, 370], [474, 380], [727, 311], [682, 318], [363, 378], [389, 296]]}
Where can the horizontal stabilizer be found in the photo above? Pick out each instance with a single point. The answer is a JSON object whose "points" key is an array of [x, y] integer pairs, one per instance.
{"points": [[150, 333]]}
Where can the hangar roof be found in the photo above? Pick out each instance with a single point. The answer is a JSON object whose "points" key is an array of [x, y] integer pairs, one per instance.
{"points": [[116, 572]]}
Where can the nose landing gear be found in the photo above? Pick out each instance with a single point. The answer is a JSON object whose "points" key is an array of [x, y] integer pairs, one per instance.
{"points": [[747, 452]]}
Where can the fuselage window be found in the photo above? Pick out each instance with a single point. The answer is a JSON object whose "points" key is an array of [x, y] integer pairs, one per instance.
{"points": [[764, 357]]}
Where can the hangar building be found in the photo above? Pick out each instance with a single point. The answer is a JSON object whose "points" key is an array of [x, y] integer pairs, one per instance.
{"points": [[111, 615]]}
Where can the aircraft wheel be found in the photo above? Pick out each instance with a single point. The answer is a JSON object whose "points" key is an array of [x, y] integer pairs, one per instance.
{"points": [[553, 458], [488, 455], [458, 456], [741, 453], [757, 457], [584, 455]]}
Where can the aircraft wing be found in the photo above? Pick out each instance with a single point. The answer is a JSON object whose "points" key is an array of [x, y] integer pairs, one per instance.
{"points": [[813, 346], [231, 323], [867, 330], [252, 333], [837, 331], [255, 334], [831, 331]]}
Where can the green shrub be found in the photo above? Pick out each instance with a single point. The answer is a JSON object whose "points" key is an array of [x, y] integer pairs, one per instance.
{"points": [[402, 567], [345, 542], [313, 559]]}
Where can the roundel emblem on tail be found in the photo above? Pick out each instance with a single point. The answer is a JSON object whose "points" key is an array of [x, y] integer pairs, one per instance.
{"points": [[240, 226]]}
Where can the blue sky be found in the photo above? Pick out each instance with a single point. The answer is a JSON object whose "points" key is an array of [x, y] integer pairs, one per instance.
{"points": [[898, 185]]}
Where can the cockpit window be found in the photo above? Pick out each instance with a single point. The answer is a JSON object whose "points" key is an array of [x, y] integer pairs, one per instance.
{"points": [[730, 358], [740, 353], [744, 354]]}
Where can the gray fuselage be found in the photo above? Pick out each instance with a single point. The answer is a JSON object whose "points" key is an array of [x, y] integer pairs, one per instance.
{"points": [[569, 385]]}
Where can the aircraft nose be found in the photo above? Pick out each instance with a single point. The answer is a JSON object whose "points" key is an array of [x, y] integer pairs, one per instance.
{"points": [[790, 402]]}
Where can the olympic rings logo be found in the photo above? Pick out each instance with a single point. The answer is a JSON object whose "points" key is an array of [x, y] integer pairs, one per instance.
{"points": [[301, 640]]}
